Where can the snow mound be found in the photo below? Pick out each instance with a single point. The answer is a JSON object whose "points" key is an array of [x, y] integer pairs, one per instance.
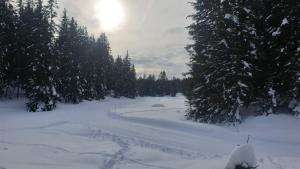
{"points": [[294, 105], [242, 156], [158, 105], [297, 110]]}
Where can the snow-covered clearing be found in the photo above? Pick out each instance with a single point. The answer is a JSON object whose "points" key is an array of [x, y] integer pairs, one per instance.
{"points": [[145, 133]]}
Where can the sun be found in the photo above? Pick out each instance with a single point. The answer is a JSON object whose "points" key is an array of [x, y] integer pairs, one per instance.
{"points": [[110, 14]]}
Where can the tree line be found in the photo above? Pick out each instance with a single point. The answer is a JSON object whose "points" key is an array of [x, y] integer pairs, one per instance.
{"points": [[160, 86], [244, 53]]}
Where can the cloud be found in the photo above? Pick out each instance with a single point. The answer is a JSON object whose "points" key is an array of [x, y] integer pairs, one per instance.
{"points": [[153, 31], [175, 30], [174, 62]]}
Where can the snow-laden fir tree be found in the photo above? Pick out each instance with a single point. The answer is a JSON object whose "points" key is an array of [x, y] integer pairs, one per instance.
{"points": [[24, 42], [278, 53], [99, 64], [69, 73], [243, 52], [132, 93], [118, 81], [8, 19], [129, 78], [40, 84], [88, 68], [51, 13], [7, 35], [221, 60], [107, 61]]}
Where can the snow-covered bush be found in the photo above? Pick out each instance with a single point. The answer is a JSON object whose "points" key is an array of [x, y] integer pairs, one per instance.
{"points": [[297, 110], [242, 157], [244, 166], [294, 105]]}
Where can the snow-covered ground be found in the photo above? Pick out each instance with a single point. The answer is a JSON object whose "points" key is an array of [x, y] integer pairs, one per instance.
{"points": [[145, 133]]}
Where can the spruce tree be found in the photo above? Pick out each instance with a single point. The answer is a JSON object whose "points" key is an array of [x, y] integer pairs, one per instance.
{"points": [[107, 61], [62, 46], [8, 20], [221, 60], [73, 89], [206, 60], [175, 86], [237, 31], [118, 77], [163, 84], [7, 46], [40, 86], [132, 82], [129, 78], [51, 15], [69, 73], [99, 60], [24, 42], [243, 52], [275, 76], [89, 67]]}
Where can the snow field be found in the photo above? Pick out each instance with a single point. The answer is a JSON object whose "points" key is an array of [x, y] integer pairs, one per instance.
{"points": [[134, 134]]}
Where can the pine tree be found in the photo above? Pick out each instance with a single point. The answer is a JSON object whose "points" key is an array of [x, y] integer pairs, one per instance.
{"points": [[132, 83], [206, 61], [24, 42], [40, 86], [243, 52], [62, 47], [101, 54], [141, 83], [117, 77], [221, 60], [51, 15], [163, 84], [276, 62], [129, 78], [7, 46], [69, 55], [236, 63], [175, 86], [89, 67], [107, 61]]}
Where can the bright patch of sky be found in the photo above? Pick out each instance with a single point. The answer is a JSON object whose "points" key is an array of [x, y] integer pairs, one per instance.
{"points": [[153, 31]]}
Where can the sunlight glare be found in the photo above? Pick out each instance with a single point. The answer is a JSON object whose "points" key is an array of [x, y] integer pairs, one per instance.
{"points": [[110, 13]]}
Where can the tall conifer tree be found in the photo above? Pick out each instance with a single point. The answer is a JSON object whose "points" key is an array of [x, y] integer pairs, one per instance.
{"points": [[40, 86]]}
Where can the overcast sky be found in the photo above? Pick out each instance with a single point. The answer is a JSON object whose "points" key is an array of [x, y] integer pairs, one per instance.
{"points": [[153, 32]]}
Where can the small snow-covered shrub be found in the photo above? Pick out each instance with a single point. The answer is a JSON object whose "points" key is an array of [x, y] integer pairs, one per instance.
{"points": [[158, 105], [294, 105], [244, 166], [242, 157]]}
